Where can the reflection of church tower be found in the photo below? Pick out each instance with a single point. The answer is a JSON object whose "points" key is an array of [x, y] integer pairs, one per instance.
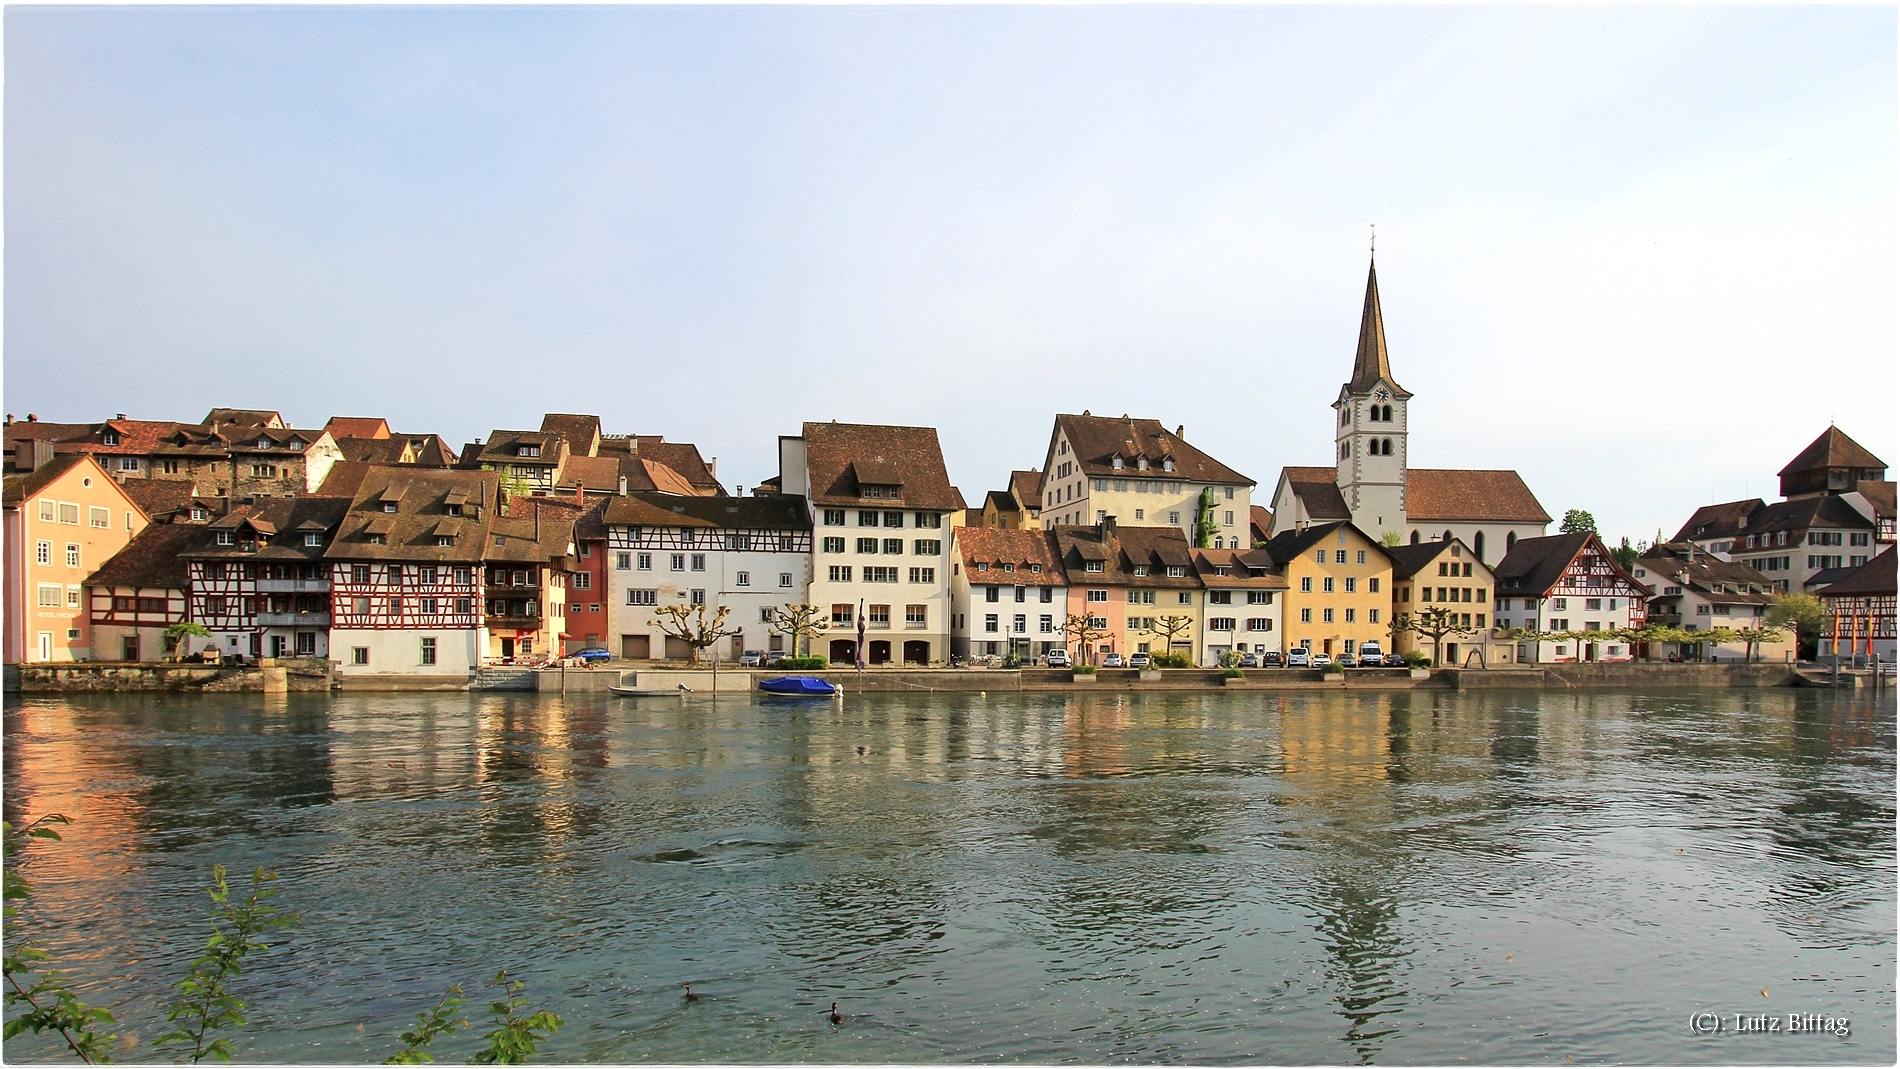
{"points": [[1370, 435]]}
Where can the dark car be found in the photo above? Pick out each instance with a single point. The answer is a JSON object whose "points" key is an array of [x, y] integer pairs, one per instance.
{"points": [[1394, 660], [592, 653], [1270, 659]]}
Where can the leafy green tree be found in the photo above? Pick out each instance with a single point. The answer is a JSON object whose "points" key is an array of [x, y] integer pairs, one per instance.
{"points": [[51, 1005], [1626, 554], [515, 1036], [439, 1020], [1577, 521], [1805, 614], [1204, 519], [208, 1005], [175, 635]]}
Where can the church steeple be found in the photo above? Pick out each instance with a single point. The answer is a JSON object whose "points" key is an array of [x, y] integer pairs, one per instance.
{"points": [[1370, 364]]}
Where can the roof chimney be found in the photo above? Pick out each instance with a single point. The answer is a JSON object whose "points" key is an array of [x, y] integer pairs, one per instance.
{"points": [[1108, 526], [1180, 431], [623, 486], [31, 418], [119, 416]]}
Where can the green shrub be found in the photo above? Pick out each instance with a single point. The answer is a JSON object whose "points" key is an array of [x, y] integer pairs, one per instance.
{"points": [[1333, 668], [1416, 659], [1173, 660], [1234, 673], [1084, 669], [802, 663]]}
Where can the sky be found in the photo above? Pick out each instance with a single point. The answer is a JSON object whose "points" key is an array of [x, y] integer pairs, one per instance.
{"points": [[1641, 255]]}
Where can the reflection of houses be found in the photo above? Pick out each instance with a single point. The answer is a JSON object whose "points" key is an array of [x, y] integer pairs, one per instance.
{"points": [[882, 508], [1446, 575], [1007, 591], [1242, 609], [140, 592], [1860, 611], [1568, 582], [750, 555], [1697, 591], [64, 517], [259, 580]]}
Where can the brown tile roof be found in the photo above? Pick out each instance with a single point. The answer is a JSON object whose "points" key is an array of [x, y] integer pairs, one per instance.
{"points": [[1718, 521], [631, 511], [537, 529], [1833, 449], [1879, 494], [769, 513], [341, 427], [1534, 565], [1122, 550], [1873, 579], [1098, 440], [582, 432], [376, 450], [994, 547], [1408, 559], [282, 521], [599, 474], [151, 559], [1290, 544], [1026, 487], [500, 448], [1247, 569], [1318, 491], [1470, 494], [164, 499], [1259, 522], [24, 485], [1682, 564], [1802, 513], [250, 417], [682, 457], [908, 457], [424, 503], [432, 451]]}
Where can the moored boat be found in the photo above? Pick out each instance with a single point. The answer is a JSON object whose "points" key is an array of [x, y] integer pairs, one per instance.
{"points": [[799, 685]]}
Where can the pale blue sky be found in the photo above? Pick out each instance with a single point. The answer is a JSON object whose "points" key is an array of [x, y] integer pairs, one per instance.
{"points": [[1641, 255]]}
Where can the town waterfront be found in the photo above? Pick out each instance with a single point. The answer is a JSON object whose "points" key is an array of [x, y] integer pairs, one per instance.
{"points": [[1410, 877]]}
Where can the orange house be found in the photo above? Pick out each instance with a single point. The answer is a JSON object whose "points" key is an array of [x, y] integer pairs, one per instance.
{"points": [[63, 520]]}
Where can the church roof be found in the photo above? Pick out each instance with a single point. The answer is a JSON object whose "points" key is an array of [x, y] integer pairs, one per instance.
{"points": [[1370, 365], [1470, 494]]}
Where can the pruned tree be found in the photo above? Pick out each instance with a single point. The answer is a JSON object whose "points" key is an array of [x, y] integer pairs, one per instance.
{"points": [[1084, 630], [1168, 627], [689, 624], [797, 621], [1434, 623]]}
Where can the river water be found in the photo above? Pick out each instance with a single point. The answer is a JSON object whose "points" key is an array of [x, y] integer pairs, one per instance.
{"points": [[1410, 878]]}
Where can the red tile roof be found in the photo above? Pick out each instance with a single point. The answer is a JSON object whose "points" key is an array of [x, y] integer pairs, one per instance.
{"points": [[1017, 547], [1833, 449], [341, 427], [1873, 579], [1470, 494], [1098, 440], [907, 457]]}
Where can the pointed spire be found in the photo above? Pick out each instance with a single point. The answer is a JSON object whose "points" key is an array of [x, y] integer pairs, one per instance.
{"points": [[1370, 364]]}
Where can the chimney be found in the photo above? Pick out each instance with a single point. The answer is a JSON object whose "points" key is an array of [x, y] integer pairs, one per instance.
{"points": [[578, 499], [1108, 526], [119, 416], [32, 454], [1180, 431], [31, 418], [623, 486]]}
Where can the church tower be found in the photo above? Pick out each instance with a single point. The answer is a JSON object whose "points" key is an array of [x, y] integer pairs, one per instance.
{"points": [[1369, 433]]}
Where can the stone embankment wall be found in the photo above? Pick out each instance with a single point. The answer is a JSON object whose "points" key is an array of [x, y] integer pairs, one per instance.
{"points": [[301, 674], [1621, 676]]}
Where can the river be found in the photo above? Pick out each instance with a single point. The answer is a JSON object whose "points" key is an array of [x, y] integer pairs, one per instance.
{"points": [[1203, 878]]}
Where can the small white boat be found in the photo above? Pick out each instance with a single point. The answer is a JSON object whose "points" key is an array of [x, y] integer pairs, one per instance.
{"points": [[629, 687]]}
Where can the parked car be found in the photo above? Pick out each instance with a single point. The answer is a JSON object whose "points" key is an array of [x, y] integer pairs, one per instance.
{"points": [[1248, 660], [1270, 659], [1113, 660], [752, 658], [1297, 657], [1346, 660], [1321, 660], [593, 653], [1371, 653], [1140, 660], [1394, 660], [1056, 658]]}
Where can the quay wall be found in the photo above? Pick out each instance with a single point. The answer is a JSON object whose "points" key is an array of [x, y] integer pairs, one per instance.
{"points": [[301, 674]]}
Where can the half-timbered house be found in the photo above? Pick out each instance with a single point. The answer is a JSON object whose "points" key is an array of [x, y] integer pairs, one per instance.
{"points": [[1698, 591], [1860, 612], [528, 554], [1568, 582], [141, 591], [750, 555], [259, 580], [406, 590]]}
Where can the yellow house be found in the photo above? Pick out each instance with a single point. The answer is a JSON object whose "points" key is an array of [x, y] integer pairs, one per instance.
{"points": [[1338, 588], [63, 519], [1447, 575]]}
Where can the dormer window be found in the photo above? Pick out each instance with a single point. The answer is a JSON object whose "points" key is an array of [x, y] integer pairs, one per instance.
{"points": [[312, 538], [1176, 571], [1168, 464], [109, 438], [1141, 570], [982, 566], [376, 539], [1141, 463], [1092, 566], [294, 443], [198, 514], [526, 450], [1008, 567], [1035, 569], [263, 443], [1221, 569], [1116, 463], [444, 540], [453, 510], [389, 506], [224, 538]]}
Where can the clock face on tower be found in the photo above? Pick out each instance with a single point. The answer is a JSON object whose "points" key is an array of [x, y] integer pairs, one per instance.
{"points": [[1381, 395]]}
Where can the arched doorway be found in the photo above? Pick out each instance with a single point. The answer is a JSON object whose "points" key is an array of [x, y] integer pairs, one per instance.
{"points": [[1415, 538], [880, 651], [916, 651], [844, 651]]}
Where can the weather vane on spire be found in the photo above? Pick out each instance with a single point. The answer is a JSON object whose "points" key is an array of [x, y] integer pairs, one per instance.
{"points": [[1375, 238]]}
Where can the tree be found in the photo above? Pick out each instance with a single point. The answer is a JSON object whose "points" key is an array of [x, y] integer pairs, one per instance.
{"points": [[1434, 623], [1204, 519], [176, 634], [1805, 614], [1626, 554], [1168, 627], [688, 623], [1082, 628], [1577, 521], [1391, 539], [798, 621]]}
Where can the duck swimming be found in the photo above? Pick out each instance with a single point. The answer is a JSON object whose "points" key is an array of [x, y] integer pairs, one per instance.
{"points": [[836, 1017], [690, 997]]}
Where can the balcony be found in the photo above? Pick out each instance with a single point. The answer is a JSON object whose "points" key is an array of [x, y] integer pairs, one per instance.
{"points": [[293, 586], [503, 590], [293, 619], [514, 623]]}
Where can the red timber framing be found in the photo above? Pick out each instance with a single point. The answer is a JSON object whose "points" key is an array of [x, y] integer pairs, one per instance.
{"points": [[406, 596], [224, 594], [1592, 574], [138, 606]]}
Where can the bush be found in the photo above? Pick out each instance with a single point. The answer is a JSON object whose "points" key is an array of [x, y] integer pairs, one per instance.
{"points": [[1333, 668], [1084, 669], [801, 663], [1415, 659], [1234, 673], [1173, 660]]}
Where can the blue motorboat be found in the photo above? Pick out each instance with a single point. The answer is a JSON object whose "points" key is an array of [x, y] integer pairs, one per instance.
{"points": [[803, 686]]}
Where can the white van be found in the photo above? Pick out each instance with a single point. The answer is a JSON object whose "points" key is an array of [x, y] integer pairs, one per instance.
{"points": [[1297, 657]]}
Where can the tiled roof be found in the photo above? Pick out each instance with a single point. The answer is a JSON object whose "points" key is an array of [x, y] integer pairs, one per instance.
{"points": [[600, 474], [1408, 559], [1879, 494], [1247, 569], [27, 484], [632, 511], [682, 457], [341, 427], [1832, 449], [1026, 487], [582, 432], [537, 529], [1318, 491], [1259, 522], [376, 450], [1534, 565], [908, 456], [1098, 440], [1718, 521], [770, 513], [1017, 547], [1470, 495], [161, 498], [1290, 544], [1801, 513], [423, 505], [1873, 579], [500, 448], [282, 521], [1683, 565], [151, 559], [1122, 550], [431, 450], [250, 417]]}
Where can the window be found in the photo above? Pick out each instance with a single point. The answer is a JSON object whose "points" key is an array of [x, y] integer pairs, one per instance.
{"points": [[1174, 517], [395, 606], [223, 538], [72, 555], [1372, 616], [359, 654], [1592, 604], [1048, 595], [696, 597], [989, 622], [1339, 556], [867, 518], [1559, 604], [389, 506], [894, 545], [643, 597], [738, 542], [840, 614], [926, 547], [1214, 597], [1306, 584], [677, 562], [396, 571], [1096, 595], [1352, 585], [894, 519], [1259, 623], [1327, 584], [1372, 585], [923, 575], [1362, 556], [99, 517], [699, 562], [929, 519], [742, 579], [359, 573], [1306, 616], [867, 545], [68, 513], [46, 510], [1326, 615], [463, 606], [1220, 623], [916, 615], [839, 573], [834, 517], [1352, 615], [269, 471], [644, 562], [50, 596], [585, 580], [1176, 571], [43, 553], [832, 545], [992, 593], [880, 575], [428, 650]]}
